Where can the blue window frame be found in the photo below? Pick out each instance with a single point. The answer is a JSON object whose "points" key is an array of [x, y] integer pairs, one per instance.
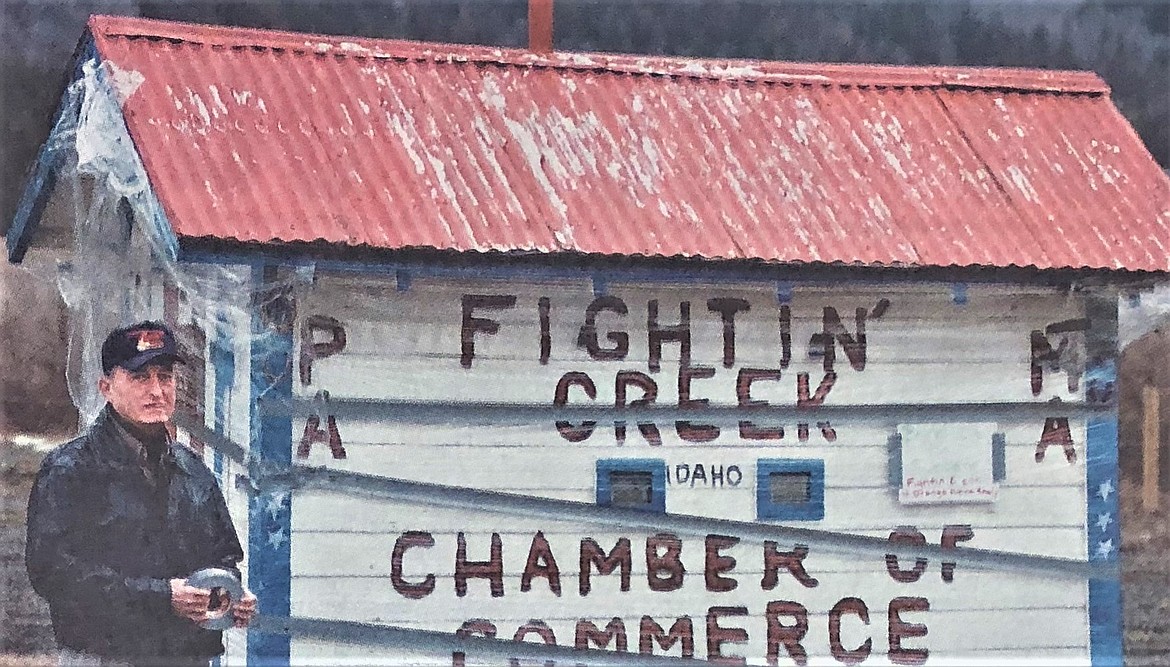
{"points": [[632, 483], [791, 489], [998, 457]]}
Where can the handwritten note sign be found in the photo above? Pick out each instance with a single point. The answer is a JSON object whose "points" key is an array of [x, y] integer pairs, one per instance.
{"points": [[947, 463]]}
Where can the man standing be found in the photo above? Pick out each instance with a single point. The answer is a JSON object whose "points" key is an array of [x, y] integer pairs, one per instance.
{"points": [[119, 517]]}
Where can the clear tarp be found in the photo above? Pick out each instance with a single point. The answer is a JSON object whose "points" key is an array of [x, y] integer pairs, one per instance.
{"points": [[122, 267]]}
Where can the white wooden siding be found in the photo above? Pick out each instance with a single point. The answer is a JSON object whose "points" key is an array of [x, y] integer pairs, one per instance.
{"points": [[925, 349]]}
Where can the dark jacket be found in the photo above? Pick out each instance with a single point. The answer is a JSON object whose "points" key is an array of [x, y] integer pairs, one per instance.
{"points": [[104, 543]]}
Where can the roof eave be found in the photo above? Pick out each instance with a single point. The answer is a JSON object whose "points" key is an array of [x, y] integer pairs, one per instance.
{"points": [[388, 261], [57, 148], [42, 177], [32, 204]]}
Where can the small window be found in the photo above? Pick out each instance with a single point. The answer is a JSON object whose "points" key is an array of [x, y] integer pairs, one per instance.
{"points": [[629, 488], [632, 483], [998, 457], [792, 489], [789, 488]]}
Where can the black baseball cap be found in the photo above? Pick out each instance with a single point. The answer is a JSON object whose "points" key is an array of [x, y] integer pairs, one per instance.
{"points": [[139, 344]]}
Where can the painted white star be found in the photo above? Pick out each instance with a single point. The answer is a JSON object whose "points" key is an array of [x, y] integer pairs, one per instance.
{"points": [[1105, 548], [276, 539], [1105, 489], [1103, 520], [276, 504]]}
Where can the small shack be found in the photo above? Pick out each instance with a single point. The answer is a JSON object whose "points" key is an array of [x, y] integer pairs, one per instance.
{"points": [[627, 359]]}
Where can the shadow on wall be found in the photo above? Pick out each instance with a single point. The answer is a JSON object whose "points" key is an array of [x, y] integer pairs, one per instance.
{"points": [[1144, 363], [34, 398]]}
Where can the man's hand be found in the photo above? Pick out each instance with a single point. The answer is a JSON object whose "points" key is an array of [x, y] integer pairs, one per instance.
{"points": [[190, 602], [245, 609]]}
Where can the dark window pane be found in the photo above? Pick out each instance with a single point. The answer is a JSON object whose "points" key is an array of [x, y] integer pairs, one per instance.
{"points": [[630, 488], [790, 488]]}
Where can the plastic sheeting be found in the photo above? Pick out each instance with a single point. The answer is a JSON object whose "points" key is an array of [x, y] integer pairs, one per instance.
{"points": [[1142, 313], [122, 241]]}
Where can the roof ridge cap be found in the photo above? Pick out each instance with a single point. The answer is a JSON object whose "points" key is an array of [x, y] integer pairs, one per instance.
{"points": [[746, 70]]}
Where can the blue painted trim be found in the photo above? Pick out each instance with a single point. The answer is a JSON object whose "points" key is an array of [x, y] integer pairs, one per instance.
{"points": [[600, 285], [32, 203], [894, 461], [223, 358], [402, 279], [1103, 528], [1105, 623], [163, 228], [270, 512], [783, 293], [998, 457], [306, 273], [43, 178], [656, 468], [712, 272], [813, 510], [959, 294]]}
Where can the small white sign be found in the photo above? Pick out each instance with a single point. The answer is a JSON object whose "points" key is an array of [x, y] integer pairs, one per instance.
{"points": [[947, 463]]}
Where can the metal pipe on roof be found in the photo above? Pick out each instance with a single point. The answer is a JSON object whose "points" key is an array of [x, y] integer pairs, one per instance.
{"points": [[540, 26]]}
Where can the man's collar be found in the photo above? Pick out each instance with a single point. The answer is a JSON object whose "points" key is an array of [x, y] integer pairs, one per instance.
{"points": [[126, 448], [113, 441]]}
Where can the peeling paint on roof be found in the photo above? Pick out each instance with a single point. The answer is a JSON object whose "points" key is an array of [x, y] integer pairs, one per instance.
{"points": [[124, 82], [286, 137]]}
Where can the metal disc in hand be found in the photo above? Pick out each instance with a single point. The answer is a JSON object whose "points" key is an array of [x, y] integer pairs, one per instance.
{"points": [[212, 578]]}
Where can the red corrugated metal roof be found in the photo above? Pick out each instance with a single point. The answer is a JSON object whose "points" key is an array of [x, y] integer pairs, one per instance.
{"points": [[261, 136]]}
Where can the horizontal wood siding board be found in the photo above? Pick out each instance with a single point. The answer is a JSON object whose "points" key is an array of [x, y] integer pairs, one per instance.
{"points": [[568, 467], [967, 632], [344, 487], [369, 555]]}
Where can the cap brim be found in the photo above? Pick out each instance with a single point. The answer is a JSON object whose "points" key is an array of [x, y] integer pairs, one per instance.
{"points": [[159, 357]]}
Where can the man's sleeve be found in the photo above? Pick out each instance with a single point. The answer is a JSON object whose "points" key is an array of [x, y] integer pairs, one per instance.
{"points": [[57, 571]]}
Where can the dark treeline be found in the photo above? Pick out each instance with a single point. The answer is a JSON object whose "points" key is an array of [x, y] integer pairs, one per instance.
{"points": [[1127, 43]]}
